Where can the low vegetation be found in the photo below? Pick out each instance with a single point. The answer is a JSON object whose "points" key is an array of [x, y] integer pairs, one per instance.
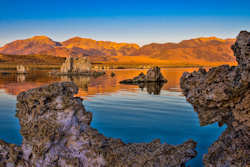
{"points": [[33, 61], [52, 62]]}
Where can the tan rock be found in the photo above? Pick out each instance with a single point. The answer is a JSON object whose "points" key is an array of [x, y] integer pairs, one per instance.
{"points": [[21, 69], [76, 65]]}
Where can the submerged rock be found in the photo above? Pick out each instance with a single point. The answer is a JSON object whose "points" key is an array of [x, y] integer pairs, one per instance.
{"points": [[56, 132], [153, 75], [223, 95]]}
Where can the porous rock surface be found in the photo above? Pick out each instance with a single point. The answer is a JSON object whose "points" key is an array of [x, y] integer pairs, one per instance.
{"points": [[222, 95], [76, 65], [56, 132], [153, 75]]}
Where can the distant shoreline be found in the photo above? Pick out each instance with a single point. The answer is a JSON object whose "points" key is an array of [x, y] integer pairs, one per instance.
{"points": [[12, 67], [46, 62]]}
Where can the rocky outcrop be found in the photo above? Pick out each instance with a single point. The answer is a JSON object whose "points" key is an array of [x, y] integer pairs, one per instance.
{"points": [[21, 69], [222, 95], [76, 65], [56, 132], [241, 49], [153, 75]]}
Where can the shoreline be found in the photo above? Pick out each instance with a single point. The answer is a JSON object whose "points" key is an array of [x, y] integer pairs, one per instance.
{"points": [[12, 67]]}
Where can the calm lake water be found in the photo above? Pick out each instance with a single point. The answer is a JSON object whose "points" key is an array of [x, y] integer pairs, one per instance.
{"points": [[128, 112]]}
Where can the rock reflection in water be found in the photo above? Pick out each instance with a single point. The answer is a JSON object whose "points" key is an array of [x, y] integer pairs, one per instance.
{"points": [[21, 77], [56, 132], [232, 148], [81, 81], [89, 86], [152, 88], [109, 87]]}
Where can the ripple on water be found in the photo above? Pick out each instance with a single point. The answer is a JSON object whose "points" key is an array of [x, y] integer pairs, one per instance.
{"points": [[140, 117], [133, 117]]}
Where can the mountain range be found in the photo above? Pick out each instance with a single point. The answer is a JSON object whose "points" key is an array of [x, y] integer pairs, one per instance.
{"points": [[199, 51]]}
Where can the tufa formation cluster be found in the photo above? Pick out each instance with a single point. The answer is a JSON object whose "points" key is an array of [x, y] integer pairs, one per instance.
{"points": [[223, 95], [56, 132]]}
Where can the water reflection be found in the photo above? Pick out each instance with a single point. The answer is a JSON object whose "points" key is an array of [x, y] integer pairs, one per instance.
{"points": [[152, 88], [232, 146], [122, 111], [89, 86], [80, 81], [21, 77]]}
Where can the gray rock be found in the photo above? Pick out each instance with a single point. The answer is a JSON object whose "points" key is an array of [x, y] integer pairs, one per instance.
{"points": [[223, 95], [56, 132], [241, 49]]}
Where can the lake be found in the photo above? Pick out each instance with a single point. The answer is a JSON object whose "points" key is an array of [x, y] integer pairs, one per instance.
{"points": [[129, 112]]}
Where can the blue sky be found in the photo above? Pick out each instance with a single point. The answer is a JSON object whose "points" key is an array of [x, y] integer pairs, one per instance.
{"points": [[136, 21]]}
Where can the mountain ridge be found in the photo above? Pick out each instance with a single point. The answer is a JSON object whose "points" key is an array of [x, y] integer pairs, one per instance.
{"points": [[197, 50]]}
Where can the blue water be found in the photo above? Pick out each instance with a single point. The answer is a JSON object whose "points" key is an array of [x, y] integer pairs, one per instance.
{"points": [[127, 112], [140, 117], [9, 124], [133, 117]]}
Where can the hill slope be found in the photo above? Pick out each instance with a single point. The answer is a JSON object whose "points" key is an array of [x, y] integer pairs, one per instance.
{"points": [[199, 51]]}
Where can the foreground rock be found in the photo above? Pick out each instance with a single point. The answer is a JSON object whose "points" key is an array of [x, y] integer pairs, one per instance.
{"points": [[153, 75], [223, 95], [56, 132]]}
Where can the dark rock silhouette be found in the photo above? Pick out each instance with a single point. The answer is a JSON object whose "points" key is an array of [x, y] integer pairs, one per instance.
{"points": [[112, 74], [56, 132], [223, 95], [153, 75]]}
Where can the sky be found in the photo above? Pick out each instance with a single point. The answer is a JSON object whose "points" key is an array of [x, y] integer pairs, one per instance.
{"points": [[135, 21]]}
